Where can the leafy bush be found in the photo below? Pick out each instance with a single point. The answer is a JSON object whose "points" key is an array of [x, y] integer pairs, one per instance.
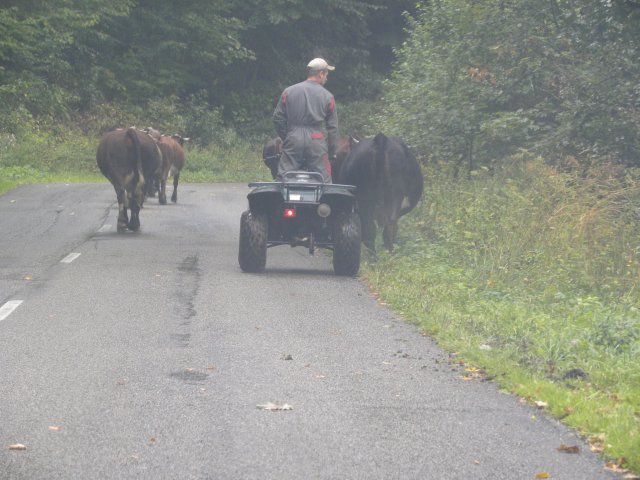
{"points": [[477, 81]]}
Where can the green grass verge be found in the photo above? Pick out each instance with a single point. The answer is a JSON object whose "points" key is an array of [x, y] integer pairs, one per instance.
{"points": [[505, 272], [41, 158]]}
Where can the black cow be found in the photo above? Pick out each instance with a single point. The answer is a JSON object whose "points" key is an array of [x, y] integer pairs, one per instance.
{"points": [[345, 145], [389, 182], [271, 155], [120, 159]]}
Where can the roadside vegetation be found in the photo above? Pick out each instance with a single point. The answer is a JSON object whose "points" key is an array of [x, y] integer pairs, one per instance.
{"points": [[523, 257], [531, 280], [42, 158]]}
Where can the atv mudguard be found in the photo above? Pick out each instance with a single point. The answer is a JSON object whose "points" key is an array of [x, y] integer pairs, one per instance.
{"points": [[267, 195]]}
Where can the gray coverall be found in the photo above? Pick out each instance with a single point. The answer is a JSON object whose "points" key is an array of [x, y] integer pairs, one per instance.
{"points": [[306, 121]]}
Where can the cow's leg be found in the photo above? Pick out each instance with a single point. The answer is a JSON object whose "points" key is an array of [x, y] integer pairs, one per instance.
{"points": [[134, 223], [162, 192], [390, 233], [150, 188], [123, 219], [135, 203], [391, 216], [368, 226], [174, 195]]}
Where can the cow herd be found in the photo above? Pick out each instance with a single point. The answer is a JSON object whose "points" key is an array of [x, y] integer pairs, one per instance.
{"points": [[138, 163], [387, 176]]}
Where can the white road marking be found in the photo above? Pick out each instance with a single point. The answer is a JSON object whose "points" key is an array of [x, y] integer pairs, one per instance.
{"points": [[70, 258], [104, 228], [8, 308]]}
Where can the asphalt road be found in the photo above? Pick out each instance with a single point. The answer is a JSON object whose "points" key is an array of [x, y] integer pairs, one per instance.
{"points": [[145, 355]]}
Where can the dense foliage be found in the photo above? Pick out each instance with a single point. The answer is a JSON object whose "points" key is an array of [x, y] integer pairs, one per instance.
{"points": [[478, 81], [190, 66]]}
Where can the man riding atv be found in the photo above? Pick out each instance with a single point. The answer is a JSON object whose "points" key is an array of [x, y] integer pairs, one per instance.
{"points": [[303, 208], [306, 120]]}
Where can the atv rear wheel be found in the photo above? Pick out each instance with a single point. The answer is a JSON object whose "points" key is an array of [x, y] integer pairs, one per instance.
{"points": [[346, 249], [252, 253]]}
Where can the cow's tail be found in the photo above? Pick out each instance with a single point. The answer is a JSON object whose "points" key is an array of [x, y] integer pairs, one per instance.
{"points": [[137, 170], [414, 180]]}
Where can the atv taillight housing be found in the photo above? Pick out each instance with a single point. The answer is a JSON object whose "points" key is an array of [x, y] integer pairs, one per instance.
{"points": [[289, 213]]}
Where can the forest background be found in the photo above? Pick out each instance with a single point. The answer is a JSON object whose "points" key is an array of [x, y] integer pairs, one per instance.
{"points": [[523, 259]]}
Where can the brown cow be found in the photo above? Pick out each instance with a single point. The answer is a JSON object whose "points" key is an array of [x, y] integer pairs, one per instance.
{"points": [[172, 148], [172, 158], [157, 181], [121, 157]]}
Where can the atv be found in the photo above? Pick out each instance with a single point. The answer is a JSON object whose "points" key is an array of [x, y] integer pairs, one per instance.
{"points": [[301, 211]]}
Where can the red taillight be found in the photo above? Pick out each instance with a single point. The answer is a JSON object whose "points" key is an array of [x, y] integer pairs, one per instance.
{"points": [[289, 213]]}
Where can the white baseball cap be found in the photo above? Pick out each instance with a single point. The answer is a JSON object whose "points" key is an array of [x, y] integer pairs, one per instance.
{"points": [[319, 64]]}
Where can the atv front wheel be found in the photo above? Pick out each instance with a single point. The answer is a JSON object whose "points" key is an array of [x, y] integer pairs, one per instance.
{"points": [[346, 248], [252, 254]]}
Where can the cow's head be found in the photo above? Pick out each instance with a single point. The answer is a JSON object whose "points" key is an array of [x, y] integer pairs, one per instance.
{"points": [[180, 139]]}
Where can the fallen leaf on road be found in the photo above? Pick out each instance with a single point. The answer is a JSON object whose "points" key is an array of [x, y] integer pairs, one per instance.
{"points": [[618, 466], [543, 475], [612, 466], [55, 428], [17, 446], [274, 407], [596, 442], [568, 448]]}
